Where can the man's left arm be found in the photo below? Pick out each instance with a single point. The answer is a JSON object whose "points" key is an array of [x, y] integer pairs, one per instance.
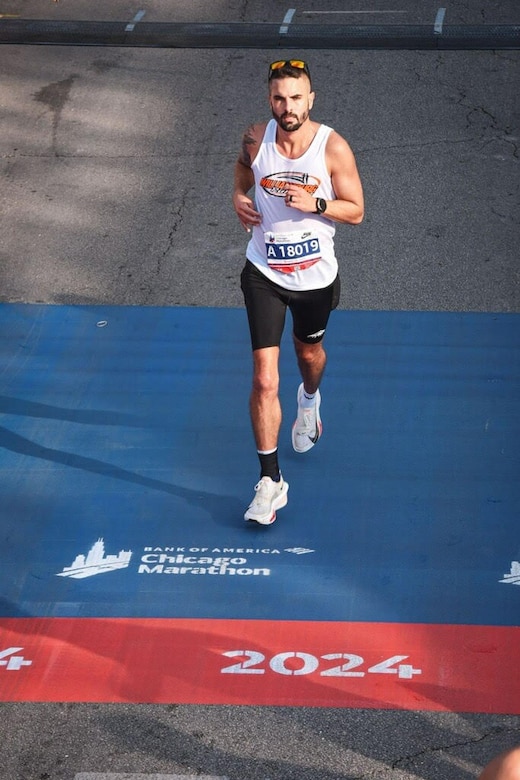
{"points": [[348, 206]]}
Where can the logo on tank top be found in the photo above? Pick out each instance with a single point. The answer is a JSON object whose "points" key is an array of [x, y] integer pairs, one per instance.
{"points": [[276, 183]]}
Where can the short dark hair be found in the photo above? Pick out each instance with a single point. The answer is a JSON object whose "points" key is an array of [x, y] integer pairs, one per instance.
{"points": [[287, 70]]}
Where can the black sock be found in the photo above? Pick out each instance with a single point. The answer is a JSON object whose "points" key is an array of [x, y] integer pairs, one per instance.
{"points": [[269, 465]]}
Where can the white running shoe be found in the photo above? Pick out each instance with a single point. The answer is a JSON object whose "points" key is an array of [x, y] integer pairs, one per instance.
{"points": [[269, 496], [307, 429]]}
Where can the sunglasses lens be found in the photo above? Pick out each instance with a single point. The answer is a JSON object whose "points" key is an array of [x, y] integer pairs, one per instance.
{"points": [[294, 63]]}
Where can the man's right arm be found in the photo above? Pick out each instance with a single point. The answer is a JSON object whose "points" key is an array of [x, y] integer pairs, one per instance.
{"points": [[244, 180]]}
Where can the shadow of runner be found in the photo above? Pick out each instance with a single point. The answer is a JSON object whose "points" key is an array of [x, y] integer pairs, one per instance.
{"points": [[225, 510], [24, 408]]}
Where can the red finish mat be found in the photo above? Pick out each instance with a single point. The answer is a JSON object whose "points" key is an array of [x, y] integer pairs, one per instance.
{"points": [[369, 665]]}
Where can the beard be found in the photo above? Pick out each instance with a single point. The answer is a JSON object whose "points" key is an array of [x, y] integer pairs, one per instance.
{"points": [[291, 122]]}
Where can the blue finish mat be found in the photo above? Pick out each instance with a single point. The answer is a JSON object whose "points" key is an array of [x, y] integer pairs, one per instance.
{"points": [[127, 461]]}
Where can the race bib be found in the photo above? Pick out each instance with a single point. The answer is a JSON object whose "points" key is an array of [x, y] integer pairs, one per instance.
{"points": [[294, 251]]}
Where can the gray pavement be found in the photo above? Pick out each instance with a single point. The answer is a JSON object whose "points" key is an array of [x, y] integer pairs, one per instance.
{"points": [[116, 170], [60, 741]]}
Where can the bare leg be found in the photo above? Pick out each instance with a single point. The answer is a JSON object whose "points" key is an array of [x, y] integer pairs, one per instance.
{"points": [[266, 417], [264, 404], [312, 359]]}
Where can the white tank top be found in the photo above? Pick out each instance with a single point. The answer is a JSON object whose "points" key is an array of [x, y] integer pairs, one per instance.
{"points": [[292, 248]]}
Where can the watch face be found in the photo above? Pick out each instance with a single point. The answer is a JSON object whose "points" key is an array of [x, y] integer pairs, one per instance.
{"points": [[321, 205]]}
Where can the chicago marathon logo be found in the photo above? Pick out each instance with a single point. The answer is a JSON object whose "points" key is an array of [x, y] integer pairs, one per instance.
{"points": [[276, 183], [181, 560], [220, 561], [513, 578], [96, 562]]}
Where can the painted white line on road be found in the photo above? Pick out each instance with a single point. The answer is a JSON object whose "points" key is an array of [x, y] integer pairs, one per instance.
{"points": [[137, 18], [132, 776], [314, 13], [284, 29], [439, 20]]}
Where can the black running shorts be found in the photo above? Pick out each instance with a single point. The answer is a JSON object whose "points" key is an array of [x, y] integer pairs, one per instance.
{"points": [[267, 302]]}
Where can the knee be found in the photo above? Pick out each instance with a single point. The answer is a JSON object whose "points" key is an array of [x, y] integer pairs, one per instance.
{"points": [[265, 382], [309, 353]]}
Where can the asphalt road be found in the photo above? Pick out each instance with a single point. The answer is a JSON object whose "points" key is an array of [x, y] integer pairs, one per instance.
{"points": [[116, 170]]}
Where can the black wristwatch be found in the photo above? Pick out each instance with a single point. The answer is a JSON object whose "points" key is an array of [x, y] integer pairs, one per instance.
{"points": [[321, 206]]}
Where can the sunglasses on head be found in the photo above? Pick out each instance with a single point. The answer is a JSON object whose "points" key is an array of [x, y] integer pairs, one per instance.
{"points": [[278, 64]]}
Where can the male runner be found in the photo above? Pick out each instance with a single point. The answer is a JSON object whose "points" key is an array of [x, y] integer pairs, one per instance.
{"points": [[305, 179]]}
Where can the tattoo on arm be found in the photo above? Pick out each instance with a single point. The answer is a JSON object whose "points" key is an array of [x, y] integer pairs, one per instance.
{"points": [[248, 141]]}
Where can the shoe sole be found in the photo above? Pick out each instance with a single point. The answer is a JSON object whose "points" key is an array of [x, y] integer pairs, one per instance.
{"points": [[279, 503], [312, 442]]}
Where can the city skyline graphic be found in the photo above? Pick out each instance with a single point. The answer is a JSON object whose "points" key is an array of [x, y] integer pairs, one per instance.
{"points": [[96, 562], [514, 575]]}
